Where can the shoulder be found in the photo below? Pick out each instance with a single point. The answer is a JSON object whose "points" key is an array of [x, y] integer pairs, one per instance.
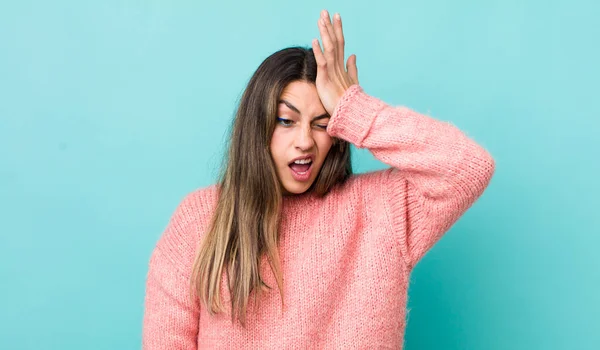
{"points": [[198, 202], [194, 211], [189, 220]]}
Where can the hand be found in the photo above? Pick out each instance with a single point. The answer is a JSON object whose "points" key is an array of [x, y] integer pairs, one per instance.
{"points": [[332, 79]]}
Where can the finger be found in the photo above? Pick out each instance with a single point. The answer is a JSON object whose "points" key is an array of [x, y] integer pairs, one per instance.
{"points": [[330, 29], [320, 58], [352, 68], [339, 33], [329, 48]]}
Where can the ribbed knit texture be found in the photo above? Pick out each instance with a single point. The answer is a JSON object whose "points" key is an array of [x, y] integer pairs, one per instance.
{"points": [[346, 258]]}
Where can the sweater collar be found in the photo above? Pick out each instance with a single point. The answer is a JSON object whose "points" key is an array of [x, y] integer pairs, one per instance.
{"points": [[297, 201]]}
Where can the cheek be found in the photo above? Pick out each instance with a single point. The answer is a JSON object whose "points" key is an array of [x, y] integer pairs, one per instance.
{"points": [[324, 142]]}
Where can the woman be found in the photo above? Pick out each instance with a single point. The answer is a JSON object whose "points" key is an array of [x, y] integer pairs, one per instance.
{"points": [[290, 249]]}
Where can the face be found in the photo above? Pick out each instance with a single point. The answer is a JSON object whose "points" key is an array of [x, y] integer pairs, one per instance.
{"points": [[301, 134]]}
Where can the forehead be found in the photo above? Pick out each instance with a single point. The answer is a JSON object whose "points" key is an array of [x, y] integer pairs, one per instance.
{"points": [[304, 96]]}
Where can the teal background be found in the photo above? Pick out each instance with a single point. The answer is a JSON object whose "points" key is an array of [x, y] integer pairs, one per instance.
{"points": [[111, 111]]}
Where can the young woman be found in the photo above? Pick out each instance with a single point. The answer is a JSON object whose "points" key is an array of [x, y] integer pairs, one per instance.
{"points": [[290, 249]]}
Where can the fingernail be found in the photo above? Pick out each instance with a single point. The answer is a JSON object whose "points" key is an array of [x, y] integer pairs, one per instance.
{"points": [[324, 14], [337, 16]]}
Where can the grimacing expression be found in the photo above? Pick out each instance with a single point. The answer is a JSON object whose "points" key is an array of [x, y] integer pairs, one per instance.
{"points": [[300, 132]]}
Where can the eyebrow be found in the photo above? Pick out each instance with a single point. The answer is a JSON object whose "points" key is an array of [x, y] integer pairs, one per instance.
{"points": [[291, 106]]}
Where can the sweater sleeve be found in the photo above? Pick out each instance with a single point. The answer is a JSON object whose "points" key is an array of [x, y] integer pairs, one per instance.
{"points": [[170, 317], [436, 172]]}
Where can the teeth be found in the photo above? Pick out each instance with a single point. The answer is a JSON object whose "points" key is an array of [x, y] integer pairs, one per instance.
{"points": [[303, 161]]}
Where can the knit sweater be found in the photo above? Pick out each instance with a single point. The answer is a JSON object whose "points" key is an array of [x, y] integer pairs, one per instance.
{"points": [[346, 257]]}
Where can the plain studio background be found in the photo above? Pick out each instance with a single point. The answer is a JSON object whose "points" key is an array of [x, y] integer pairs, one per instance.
{"points": [[111, 112]]}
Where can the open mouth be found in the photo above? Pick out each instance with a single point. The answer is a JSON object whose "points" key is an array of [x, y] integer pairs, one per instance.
{"points": [[301, 169], [301, 166]]}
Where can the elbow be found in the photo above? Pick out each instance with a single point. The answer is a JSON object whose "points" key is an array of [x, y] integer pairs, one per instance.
{"points": [[483, 167], [488, 166], [476, 169]]}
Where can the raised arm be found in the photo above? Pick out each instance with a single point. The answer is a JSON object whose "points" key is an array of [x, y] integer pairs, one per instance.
{"points": [[437, 172]]}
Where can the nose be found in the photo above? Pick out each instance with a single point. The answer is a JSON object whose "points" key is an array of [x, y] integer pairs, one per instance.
{"points": [[304, 139]]}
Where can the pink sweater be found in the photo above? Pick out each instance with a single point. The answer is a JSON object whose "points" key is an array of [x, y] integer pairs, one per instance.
{"points": [[346, 258]]}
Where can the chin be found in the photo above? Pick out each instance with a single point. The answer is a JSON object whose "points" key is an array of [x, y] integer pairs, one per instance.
{"points": [[296, 188]]}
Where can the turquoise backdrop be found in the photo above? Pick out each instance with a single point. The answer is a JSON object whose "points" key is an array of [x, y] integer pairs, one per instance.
{"points": [[111, 111]]}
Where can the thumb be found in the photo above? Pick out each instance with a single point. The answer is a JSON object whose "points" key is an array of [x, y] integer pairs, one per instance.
{"points": [[352, 69]]}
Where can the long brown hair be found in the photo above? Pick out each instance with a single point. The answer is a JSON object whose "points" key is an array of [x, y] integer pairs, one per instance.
{"points": [[247, 215]]}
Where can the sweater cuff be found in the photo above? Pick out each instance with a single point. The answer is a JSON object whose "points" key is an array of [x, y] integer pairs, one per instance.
{"points": [[353, 116]]}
